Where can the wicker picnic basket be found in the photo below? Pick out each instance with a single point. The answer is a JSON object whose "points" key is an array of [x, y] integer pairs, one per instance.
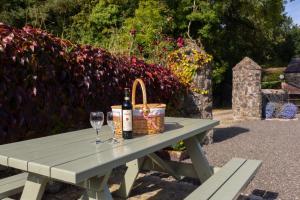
{"points": [[147, 118]]}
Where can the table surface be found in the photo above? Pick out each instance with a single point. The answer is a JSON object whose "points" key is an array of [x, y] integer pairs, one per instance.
{"points": [[74, 156]]}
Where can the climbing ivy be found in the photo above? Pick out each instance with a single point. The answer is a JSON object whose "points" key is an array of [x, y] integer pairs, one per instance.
{"points": [[185, 63]]}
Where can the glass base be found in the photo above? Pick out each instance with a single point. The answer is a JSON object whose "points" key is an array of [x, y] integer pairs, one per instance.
{"points": [[98, 142], [113, 141]]}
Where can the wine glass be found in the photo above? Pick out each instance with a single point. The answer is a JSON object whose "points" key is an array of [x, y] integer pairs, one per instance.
{"points": [[110, 123], [96, 120]]}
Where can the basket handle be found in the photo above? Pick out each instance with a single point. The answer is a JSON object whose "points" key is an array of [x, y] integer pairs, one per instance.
{"points": [[142, 84]]}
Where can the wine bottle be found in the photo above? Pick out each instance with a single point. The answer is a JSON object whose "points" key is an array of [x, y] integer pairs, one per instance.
{"points": [[127, 116]]}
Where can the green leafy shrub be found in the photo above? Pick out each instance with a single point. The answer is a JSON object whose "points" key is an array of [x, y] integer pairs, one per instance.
{"points": [[179, 146], [271, 85], [271, 76], [49, 85]]}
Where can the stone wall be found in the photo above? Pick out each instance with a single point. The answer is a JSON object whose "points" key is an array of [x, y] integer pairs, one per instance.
{"points": [[195, 104], [246, 90], [200, 105]]}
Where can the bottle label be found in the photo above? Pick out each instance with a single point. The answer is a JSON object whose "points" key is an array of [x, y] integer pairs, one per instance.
{"points": [[127, 120]]}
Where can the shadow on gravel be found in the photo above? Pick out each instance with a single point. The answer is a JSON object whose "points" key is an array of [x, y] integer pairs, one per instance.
{"points": [[155, 186], [265, 194], [258, 194], [221, 134]]}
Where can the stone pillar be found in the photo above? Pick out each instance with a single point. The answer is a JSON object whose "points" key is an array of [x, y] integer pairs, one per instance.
{"points": [[196, 104], [246, 90], [199, 105]]}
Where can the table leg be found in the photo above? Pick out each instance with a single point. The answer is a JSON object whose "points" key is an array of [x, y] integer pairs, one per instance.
{"points": [[96, 188], [201, 136], [198, 158], [133, 168], [163, 165], [34, 187]]}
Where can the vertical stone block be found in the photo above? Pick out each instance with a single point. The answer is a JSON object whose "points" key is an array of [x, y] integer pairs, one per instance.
{"points": [[246, 90], [195, 104]]}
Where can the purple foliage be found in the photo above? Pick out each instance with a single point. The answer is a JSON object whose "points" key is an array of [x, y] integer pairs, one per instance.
{"points": [[49, 85]]}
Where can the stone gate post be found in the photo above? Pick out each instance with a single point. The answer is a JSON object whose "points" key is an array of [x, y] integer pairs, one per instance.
{"points": [[246, 90]]}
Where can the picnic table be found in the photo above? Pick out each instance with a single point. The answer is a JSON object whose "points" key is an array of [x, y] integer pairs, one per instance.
{"points": [[75, 158]]}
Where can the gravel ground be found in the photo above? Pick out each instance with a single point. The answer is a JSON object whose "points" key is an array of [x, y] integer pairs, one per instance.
{"points": [[276, 143]]}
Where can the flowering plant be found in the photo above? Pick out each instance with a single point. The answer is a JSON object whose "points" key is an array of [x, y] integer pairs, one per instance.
{"points": [[184, 64]]}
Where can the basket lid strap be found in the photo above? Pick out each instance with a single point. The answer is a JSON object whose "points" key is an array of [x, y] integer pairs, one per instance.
{"points": [[152, 123], [142, 84]]}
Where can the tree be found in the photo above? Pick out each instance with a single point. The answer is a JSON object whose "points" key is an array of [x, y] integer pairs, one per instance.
{"points": [[295, 34], [232, 29], [146, 29], [228, 29], [98, 21], [14, 12]]}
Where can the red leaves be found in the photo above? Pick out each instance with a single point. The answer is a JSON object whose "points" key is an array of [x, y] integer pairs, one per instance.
{"points": [[60, 82], [150, 75], [180, 42], [133, 61]]}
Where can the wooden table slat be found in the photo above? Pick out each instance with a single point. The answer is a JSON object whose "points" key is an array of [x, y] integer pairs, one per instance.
{"points": [[74, 157], [78, 170], [38, 144], [43, 165], [19, 158], [54, 138], [42, 140]]}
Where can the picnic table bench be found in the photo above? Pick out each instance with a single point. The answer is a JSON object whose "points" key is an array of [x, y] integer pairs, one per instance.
{"points": [[228, 182], [75, 158], [12, 185]]}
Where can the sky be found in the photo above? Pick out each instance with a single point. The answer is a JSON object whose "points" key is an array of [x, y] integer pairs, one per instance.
{"points": [[293, 10]]}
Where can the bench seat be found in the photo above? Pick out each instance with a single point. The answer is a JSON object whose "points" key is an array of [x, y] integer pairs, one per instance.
{"points": [[228, 182], [12, 185]]}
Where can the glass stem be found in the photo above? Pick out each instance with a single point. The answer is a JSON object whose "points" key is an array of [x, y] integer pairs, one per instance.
{"points": [[98, 139]]}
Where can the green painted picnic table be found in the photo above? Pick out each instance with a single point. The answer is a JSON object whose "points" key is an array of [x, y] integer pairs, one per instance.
{"points": [[75, 158]]}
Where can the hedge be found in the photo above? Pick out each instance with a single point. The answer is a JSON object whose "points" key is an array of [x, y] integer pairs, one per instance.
{"points": [[49, 85], [271, 85]]}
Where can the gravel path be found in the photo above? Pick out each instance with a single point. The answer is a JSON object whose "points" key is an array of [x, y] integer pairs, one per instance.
{"points": [[276, 143]]}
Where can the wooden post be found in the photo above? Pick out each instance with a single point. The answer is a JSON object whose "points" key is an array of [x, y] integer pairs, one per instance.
{"points": [[198, 158], [157, 160], [34, 187], [96, 188], [129, 177]]}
